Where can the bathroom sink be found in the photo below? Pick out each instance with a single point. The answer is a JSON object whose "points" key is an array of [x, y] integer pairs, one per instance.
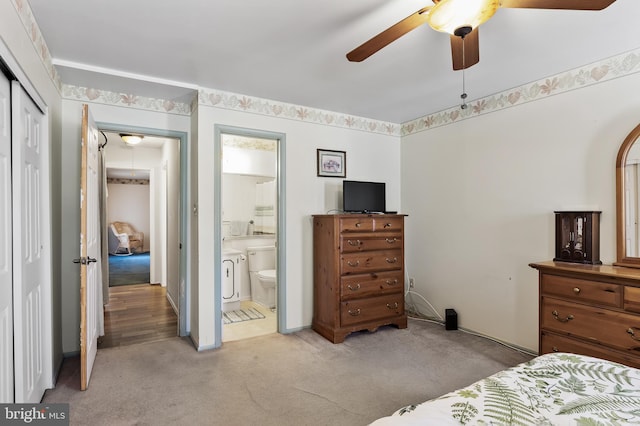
{"points": [[230, 251]]}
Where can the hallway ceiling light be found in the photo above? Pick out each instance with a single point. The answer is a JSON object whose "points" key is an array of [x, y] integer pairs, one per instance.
{"points": [[131, 139]]}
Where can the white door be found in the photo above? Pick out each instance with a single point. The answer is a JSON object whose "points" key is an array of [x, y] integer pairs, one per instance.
{"points": [[31, 249], [90, 259], [6, 274]]}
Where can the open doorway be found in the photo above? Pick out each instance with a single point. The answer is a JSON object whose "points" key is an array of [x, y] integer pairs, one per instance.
{"points": [[142, 210], [250, 291], [249, 230]]}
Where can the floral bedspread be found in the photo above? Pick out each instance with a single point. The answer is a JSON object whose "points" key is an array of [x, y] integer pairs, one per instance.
{"points": [[552, 389]]}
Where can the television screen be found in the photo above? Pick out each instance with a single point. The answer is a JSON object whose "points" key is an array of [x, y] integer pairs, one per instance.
{"points": [[363, 197]]}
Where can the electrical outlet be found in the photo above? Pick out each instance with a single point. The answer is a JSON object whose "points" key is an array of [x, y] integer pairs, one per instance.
{"points": [[410, 282]]}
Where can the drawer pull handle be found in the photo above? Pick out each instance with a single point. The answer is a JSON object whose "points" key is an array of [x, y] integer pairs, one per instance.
{"points": [[356, 288], [632, 332], [354, 313], [394, 260], [354, 264], [556, 315], [555, 349], [395, 306], [392, 240], [354, 243], [576, 290], [358, 225], [387, 225], [392, 282]]}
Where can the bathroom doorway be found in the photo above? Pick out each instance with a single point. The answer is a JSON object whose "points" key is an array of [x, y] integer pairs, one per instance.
{"points": [[251, 283]]}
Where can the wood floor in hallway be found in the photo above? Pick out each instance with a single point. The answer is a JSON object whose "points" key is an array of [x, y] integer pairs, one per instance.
{"points": [[137, 313]]}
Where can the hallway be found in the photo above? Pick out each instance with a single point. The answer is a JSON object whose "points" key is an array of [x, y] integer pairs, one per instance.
{"points": [[135, 314]]}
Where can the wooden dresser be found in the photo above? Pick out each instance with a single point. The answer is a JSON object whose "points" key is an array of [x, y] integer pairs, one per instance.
{"points": [[591, 310], [358, 278]]}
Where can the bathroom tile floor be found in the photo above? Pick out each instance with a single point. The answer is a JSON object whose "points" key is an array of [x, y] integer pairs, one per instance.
{"points": [[253, 328]]}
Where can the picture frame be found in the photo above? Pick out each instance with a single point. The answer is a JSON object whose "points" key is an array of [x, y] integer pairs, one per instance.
{"points": [[332, 163]]}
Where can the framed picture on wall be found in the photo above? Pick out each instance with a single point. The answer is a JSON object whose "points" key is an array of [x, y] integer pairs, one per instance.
{"points": [[332, 163]]}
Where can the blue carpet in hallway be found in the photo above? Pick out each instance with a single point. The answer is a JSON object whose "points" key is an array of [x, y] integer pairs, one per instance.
{"points": [[124, 270]]}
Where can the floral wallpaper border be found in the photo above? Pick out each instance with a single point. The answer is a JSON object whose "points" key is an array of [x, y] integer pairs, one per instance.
{"points": [[587, 75], [597, 72], [244, 142], [233, 101], [124, 99], [126, 181], [31, 27]]}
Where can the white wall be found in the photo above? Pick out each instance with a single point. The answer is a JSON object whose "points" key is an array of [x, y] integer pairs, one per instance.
{"points": [[130, 203], [171, 208], [372, 157], [146, 211], [239, 198], [481, 193], [244, 161]]}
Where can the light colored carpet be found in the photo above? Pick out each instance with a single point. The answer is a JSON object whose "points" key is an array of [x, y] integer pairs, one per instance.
{"points": [[297, 379]]}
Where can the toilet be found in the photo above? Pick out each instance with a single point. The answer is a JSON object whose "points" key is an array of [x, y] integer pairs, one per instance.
{"points": [[262, 274]]}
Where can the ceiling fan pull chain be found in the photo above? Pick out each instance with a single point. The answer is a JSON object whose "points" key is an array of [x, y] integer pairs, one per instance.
{"points": [[464, 94]]}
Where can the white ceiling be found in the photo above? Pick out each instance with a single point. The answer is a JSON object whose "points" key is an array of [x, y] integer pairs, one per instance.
{"points": [[294, 50], [113, 139]]}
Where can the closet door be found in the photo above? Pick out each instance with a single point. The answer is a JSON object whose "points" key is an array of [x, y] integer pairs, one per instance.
{"points": [[31, 250], [6, 270]]}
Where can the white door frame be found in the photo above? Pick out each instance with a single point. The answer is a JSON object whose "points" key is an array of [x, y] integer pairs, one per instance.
{"points": [[6, 243], [281, 228]]}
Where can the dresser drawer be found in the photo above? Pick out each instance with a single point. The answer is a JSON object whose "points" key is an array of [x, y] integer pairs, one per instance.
{"points": [[550, 342], [358, 263], [632, 299], [388, 224], [600, 293], [356, 224], [616, 329], [349, 244], [367, 285], [373, 308]]}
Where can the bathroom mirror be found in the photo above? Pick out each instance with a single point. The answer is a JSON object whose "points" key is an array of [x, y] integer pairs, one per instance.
{"points": [[628, 201]]}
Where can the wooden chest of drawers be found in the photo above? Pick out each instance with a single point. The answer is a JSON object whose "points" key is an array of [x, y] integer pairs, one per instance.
{"points": [[358, 273], [590, 309]]}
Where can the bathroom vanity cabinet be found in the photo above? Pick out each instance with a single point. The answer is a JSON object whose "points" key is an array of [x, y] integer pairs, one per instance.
{"points": [[358, 273]]}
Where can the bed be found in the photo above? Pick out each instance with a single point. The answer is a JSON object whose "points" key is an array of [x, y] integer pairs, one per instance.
{"points": [[552, 389]]}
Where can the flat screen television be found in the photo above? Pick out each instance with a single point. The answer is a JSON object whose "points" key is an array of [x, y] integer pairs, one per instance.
{"points": [[363, 197]]}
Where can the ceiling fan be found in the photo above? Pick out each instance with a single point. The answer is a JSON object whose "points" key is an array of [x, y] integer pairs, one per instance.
{"points": [[461, 18]]}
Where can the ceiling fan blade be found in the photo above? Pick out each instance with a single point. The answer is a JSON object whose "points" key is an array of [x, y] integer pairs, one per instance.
{"points": [[471, 50], [558, 4], [392, 33]]}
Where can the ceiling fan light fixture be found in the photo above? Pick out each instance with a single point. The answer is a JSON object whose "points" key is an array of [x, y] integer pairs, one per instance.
{"points": [[131, 139], [449, 15]]}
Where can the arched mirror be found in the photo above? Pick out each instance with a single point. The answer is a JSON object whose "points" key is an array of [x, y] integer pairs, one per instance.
{"points": [[628, 201]]}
